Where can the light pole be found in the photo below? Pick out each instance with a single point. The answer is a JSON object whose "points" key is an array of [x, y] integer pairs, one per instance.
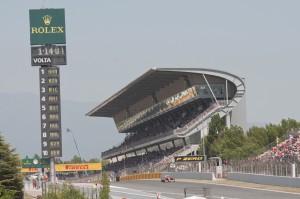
{"points": [[69, 130]]}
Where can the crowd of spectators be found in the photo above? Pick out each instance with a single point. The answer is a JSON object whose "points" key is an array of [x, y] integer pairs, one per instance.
{"points": [[286, 151], [165, 123], [159, 126], [148, 159]]}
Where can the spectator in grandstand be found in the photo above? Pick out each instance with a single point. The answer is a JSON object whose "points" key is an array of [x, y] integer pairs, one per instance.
{"points": [[288, 150]]}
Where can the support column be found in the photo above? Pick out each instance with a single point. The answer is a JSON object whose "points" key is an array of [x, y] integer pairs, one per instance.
{"points": [[293, 170], [203, 143], [173, 142], [228, 123], [159, 148], [52, 171], [211, 90]]}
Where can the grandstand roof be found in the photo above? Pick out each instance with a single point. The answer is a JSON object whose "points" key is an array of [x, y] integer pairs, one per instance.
{"points": [[145, 85]]}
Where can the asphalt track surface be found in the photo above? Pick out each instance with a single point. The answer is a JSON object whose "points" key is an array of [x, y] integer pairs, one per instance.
{"points": [[144, 189], [175, 190]]}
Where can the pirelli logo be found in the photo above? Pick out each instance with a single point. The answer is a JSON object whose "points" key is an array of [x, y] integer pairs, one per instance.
{"points": [[189, 158]]}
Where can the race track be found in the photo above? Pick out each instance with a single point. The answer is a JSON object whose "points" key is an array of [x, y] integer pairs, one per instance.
{"points": [[175, 190]]}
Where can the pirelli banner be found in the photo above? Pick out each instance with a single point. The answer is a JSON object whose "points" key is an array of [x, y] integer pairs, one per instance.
{"points": [[68, 167], [47, 26], [78, 167], [189, 158]]}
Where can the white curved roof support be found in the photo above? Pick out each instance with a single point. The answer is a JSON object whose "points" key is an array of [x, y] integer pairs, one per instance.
{"points": [[226, 108], [211, 90]]}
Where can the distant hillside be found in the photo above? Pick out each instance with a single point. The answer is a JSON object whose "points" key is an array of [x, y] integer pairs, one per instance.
{"points": [[20, 126]]}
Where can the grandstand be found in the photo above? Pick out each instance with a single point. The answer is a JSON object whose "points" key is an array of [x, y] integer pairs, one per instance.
{"points": [[166, 111]]}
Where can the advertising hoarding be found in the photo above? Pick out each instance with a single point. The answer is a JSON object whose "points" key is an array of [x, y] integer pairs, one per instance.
{"points": [[47, 26]]}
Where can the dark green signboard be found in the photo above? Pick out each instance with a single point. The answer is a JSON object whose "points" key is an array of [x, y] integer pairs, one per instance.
{"points": [[47, 26], [45, 163], [35, 163]]}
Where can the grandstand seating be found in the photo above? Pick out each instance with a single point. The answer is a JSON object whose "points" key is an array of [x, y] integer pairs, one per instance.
{"points": [[177, 121], [149, 158], [286, 151]]}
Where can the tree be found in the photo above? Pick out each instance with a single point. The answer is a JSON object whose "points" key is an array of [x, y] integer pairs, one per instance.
{"points": [[94, 160], [288, 125], [11, 180], [74, 160], [230, 143], [58, 161], [105, 162], [272, 132], [104, 191], [6, 194], [216, 126], [258, 136], [36, 156]]}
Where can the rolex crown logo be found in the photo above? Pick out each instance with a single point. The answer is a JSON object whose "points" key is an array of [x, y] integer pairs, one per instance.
{"points": [[47, 19]]}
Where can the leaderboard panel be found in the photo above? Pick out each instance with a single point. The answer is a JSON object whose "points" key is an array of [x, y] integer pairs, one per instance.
{"points": [[50, 112]]}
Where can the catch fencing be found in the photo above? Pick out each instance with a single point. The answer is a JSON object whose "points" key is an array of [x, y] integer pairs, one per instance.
{"points": [[273, 168], [291, 169]]}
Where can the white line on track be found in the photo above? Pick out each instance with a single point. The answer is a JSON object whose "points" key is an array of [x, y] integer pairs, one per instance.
{"points": [[143, 192], [136, 194], [261, 189]]}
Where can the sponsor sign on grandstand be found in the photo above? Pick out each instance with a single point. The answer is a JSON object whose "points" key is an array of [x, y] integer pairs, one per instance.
{"points": [[159, 108], [189, 158], [179, 98]]}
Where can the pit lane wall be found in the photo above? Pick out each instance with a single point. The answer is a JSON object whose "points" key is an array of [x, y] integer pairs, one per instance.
{"points": [[176, 175], [141, 176], [190, 175], [285, 181]]}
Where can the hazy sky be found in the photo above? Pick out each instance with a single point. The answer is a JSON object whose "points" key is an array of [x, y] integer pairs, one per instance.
{"points": [[110, 43]]}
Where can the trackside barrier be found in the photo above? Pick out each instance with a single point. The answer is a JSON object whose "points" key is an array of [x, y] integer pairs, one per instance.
{"points": [[176, 175], [190, 175], [265, 179], [140, 176]]}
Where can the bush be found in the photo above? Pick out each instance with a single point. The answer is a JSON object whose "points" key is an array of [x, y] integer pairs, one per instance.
{"points": [[104, 191], [67, 192]]}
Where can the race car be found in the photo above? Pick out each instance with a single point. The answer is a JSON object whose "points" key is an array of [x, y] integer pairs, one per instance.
{"points": [[168, 178]]}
